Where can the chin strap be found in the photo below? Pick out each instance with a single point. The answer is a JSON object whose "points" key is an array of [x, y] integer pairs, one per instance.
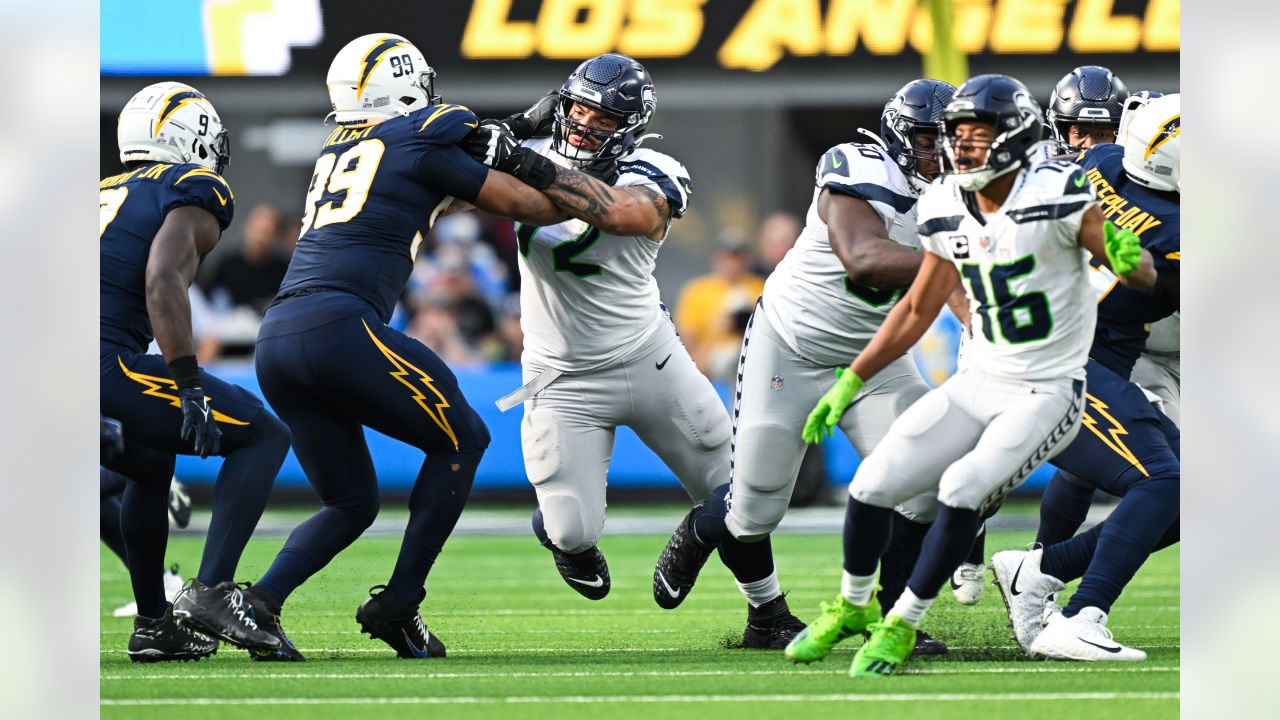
{"points": [[875, 137], [644, 137]]}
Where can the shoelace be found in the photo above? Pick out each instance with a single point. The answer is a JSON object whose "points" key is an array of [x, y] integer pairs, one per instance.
{"points": [[422, 628], [235, 600], [970, 573], [831, 618]]}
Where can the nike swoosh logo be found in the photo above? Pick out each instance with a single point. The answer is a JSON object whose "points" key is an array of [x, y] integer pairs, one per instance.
{"points": [[598, 582], [1079, 181], [220, 198], [835, 160], [673, 592], [663, 363], [1111, 650], [1013, 586], [413, 648], [954, 584]]}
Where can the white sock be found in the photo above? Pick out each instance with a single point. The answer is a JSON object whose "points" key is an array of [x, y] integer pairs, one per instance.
{"points": [[857, 589], [911, 608], [759, 592]]}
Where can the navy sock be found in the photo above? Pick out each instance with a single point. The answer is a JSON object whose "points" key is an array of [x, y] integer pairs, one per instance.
{"points": [[1069, 559], [867, 531], [945, 547], [748, 561], [900, 558], [109, 528], [709, 526], [1063, 508], [1131, 533], [240, 495], [438, 496], [540, 529], [977, 553]]}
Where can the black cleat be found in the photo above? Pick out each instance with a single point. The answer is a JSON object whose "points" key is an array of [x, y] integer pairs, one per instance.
{"points": [[770, 626], [679, 564], [926, 644], [222, 612], [162, 639], [267, 614], [587, 571], [385, 618]]}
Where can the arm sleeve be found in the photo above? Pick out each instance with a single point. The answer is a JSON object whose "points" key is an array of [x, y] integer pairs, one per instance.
{"points": [[448, 170], [205, 189]]}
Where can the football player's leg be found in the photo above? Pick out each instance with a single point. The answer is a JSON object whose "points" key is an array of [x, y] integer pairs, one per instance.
{"points": [[1063, 508], [1157, 374], [112, 485], [1069, 560], [1128, 449], [425, 408], [144, 522]]}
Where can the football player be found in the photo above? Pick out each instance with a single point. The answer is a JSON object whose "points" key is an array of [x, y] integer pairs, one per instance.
{"points": [[1086, 108], [158, 219], [600, 349], [1130, 449], [326, 358], [1016, 233], [112, 485], [854, 259]]}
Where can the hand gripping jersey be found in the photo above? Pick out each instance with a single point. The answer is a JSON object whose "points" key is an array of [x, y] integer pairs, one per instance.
{"points": [[373, 197], [819, 312], [588, 298], [1023, 268], [1124, 314], [132, 206]]}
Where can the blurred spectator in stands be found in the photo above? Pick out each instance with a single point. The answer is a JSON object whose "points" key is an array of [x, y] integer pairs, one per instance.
{"points": [[778, 234], [712, 311], [452, 317], [251, 277]]}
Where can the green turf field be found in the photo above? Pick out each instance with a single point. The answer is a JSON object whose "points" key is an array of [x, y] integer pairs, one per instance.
{"points": [[521, 644]]}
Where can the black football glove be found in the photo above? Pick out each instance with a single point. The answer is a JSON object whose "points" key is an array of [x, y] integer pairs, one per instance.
{"points": [[490, 144], [111, 435], [604, 170], [538, 120], [198, 424]]}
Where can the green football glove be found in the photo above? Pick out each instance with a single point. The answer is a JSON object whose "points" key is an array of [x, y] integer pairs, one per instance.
{"points": [[827, 413], [1123, 249]]}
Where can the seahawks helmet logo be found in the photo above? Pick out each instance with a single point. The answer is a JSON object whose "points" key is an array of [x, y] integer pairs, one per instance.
{"points": [[1167, 131]]}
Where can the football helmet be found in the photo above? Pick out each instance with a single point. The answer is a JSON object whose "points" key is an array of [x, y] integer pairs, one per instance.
{"points": [[172, 122], [614, 84], [1004, 103], [914, 109], [1152, 145], [1088, 95], [377, 77], [1135, 101]]}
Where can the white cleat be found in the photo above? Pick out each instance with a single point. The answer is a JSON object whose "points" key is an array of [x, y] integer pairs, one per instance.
{"points": [[1082, 637], [966, 583], [1026, 591], [172, 585]]}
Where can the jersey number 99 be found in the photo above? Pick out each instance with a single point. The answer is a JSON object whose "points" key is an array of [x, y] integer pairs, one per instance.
{"points": [[352, 172]]}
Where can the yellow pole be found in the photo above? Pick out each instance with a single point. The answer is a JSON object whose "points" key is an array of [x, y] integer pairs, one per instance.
{"points": [[944, 61]]}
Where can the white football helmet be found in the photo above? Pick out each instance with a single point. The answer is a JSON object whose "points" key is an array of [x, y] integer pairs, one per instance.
{"points": [[379, 76], [172, 122], [1153, 142]]}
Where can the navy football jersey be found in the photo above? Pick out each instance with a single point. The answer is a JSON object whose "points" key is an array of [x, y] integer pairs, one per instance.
{"points": [[374, 195], [132, 207], [1125, 314]]}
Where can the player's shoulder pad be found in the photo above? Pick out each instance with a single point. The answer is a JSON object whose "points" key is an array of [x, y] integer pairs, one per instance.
{"points": [[865, 171], [1058, 183], [443, 124], [1101, 155], [660, 171], [199, 186], [940, 208]]}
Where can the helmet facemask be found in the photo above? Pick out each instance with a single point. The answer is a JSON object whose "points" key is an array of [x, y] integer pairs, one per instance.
{"points": [[912, 113], [613, 143]]}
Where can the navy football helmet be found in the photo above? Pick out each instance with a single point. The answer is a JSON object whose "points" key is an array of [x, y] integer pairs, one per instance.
{"points": [[1088, 95], [1008, 105], [614, 84], [916, 108]]}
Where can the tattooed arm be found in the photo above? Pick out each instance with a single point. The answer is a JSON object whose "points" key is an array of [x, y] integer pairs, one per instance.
{"points": [[616, 210]]}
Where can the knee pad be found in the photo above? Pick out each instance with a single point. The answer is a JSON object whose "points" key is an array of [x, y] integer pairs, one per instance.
{"points": [[921, 509], [760, 465], [964, 487], [701, 416], [541, 444], [873, 483], [568, 525], [271, 430]]}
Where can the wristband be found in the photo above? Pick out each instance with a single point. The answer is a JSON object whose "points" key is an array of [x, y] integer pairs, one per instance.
{"points": [[185, 371]]}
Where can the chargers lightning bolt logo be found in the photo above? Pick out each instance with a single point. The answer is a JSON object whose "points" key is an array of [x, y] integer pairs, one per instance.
{"points": [[1169, 130], [403, 367], [1111, 438], [176, 99], [372, 58], [154, 385]]}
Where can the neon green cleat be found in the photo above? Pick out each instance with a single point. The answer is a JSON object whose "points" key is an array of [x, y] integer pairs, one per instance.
{"points": [[839, 620], [890, 645]]}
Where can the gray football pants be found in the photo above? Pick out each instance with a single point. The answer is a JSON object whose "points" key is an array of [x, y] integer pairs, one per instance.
{"points": [[1159, 374], [776, 390], [568, 430]]}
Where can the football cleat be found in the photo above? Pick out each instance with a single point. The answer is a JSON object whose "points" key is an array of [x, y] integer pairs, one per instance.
{"points": [[162, 639], [586, 572], [172, 586], [383, 617], [770, 626], [679, 564], [966, 583], [222, 612], [1025, 590], [837, 620], [926, 644], [267, 614], [890, 645], [1084, 636], [179, 504]]}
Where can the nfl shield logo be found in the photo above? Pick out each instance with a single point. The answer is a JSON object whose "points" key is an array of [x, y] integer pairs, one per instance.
{"points": [[776, 383]]}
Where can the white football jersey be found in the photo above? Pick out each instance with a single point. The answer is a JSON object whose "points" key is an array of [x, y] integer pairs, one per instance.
{"points": [[1166, 335], [588, 298], [809, 299], [1023, 268]]}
